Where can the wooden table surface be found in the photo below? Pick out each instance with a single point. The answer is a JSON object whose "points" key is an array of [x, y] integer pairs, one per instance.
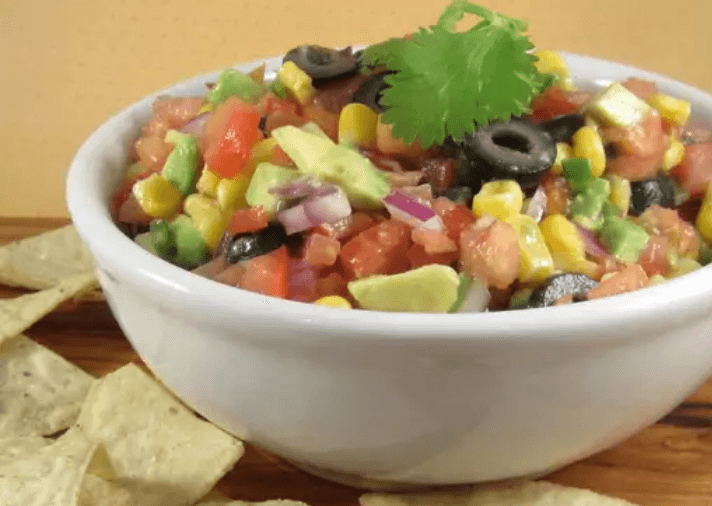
{"points": [[669, 463]]}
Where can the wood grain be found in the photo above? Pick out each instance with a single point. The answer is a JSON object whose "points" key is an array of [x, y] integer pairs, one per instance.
{"points": [[669, 463]]}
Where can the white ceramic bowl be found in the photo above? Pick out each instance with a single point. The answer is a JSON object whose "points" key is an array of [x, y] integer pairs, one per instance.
{"points": [[377, 399]]}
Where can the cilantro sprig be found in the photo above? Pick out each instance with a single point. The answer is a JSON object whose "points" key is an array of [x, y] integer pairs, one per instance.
{"points": [[447, 83]]}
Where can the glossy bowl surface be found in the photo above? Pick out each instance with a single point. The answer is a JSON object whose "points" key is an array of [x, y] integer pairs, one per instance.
{"points": [[381, 399]]}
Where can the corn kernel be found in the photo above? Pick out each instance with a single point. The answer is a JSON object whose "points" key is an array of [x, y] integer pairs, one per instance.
{"points": [[704, 216], [501, 199], [357, 126], [550, 62], [535, 261], [157, 196], [231, 193], [208, 107], [207, 217], [333, 301], [208, 183], [587, 143], [563, 152], [620, 193], [566, 245], [261, 152], [674, 154], [297, 82], [673, 110]]}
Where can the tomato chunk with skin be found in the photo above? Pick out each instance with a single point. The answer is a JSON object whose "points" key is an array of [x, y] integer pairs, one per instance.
{"points": [[267, 274], [230, 134], [249, 219], [418, 257], [490, 253], [321, 251], [455, 220], [553, 102], [695, 171], [632, 277], [655, 258], [643, 149], [379, 249]]}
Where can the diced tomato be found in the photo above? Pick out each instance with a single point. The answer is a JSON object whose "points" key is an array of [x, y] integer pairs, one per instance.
{"points": [[302, 281], [248, 219], [553, 102], [131, 211], [433, 241], [681, 234], [695, 171], [328, 121], [283, 118], [490, 253], [156, 127], [379, 249], [270, 103], [655, 258], [456, 220], [418, 257], [122, 193], [632, 277], [267, 274], [346, 228], [232, 275], [213, 267], [230, 133], [152, 152], [176, 112], [606, 265], [558, 194], [642, 146], [640, 87], [321, 251], [332, 283]]}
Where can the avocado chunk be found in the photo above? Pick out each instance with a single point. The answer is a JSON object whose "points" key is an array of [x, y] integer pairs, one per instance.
{"points": [[429, 289], [617, 106], [234, 83], [266, 176], [623, 238], [181, 166], [315, 155], [191, 250]]}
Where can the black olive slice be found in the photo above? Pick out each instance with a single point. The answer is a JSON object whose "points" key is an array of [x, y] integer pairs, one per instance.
{"points": [[322, 63], [558, 286], [660, 190], [562, 128], [516, 149], [246, 246], [370, 92]]}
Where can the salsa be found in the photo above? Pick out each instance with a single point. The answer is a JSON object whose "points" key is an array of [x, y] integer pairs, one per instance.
{"points": [[309, 186]]}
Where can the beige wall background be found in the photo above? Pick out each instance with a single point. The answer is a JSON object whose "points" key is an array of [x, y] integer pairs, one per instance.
{"points": [[66, 65]]}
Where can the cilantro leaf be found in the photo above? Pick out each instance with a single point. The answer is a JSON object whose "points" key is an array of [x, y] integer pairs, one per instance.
{"points": [[447, 83]]}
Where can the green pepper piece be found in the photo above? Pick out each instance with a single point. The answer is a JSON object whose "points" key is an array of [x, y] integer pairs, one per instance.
{"points": [[577, 172]]}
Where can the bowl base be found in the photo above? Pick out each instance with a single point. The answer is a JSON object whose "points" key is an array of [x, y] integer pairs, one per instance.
{"points": [[376, 485]]}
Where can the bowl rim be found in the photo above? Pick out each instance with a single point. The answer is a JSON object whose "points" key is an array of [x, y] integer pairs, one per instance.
{"points": [[573, 322]]}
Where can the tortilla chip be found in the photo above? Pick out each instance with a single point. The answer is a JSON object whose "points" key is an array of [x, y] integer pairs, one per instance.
{"points": [[161, 452], [40, 392], [97, 491], [50, 476], [20, 313], [273, 502], [12, 448], [44, 260], [530, 493]]}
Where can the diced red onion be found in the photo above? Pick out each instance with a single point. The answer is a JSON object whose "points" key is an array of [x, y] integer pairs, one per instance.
{"points": [[295, 219], [592, 246], [537, 204], [327, 208], [406, 208], [299, 188], [196, 126], [319, 208]]}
